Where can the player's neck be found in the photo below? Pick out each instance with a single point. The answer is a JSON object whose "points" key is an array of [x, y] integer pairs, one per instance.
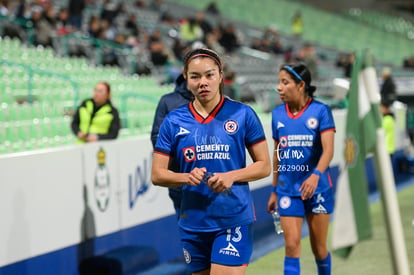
{"points": [[205, 108], [296, 107]]}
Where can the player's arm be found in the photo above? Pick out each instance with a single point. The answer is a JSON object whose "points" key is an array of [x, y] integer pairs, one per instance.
{"points": [[160, 175], [310, 184], [272, 202], [327, 139], [260, 167], [275, 164]]}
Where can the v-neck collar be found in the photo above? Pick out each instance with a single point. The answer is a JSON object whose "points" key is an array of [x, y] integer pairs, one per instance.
{"points": [[291, 115], [210, 116]]}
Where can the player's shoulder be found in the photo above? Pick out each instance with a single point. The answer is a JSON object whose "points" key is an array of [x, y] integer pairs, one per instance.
{"points": [[234, 104], [279, 108], [319, 104]]}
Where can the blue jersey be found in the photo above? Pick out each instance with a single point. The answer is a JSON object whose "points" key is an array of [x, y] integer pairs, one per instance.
{"points": [[299, 145], [218, 143]]}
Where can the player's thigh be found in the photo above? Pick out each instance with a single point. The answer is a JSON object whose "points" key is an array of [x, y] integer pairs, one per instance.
{"points": [[292, 211], [318, 227], [292, 230], [217, 269]]}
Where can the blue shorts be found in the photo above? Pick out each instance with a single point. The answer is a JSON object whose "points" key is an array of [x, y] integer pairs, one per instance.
{"points": [[230, 247], [321, 203]]}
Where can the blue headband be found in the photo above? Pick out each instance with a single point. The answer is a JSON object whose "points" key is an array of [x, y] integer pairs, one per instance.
{"points": [[292, 71]]}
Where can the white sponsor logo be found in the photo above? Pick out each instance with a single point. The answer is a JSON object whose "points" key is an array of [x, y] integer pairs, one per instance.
{"points": [[182, 131], [280, 125], [319, 209], [230, 250]]}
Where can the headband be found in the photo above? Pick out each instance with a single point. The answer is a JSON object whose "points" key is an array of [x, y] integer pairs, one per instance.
{"points": [[292, 71], [205, 55]]}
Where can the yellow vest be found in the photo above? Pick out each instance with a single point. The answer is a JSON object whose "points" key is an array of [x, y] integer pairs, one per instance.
{"points": [[388, 124], [99, 124]]}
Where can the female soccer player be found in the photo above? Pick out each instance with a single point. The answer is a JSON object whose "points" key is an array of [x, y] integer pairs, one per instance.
{"points": [[208, 138], [303, 132]]}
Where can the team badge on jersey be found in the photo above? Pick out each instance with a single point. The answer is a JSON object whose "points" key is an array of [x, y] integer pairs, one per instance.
{"points": [[189, 154], [231, 126], [312, 123], [284, 202], [187, 256]]}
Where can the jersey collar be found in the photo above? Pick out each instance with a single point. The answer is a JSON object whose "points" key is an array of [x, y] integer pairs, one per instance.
{"points": [[301, 111], [210, 116]]}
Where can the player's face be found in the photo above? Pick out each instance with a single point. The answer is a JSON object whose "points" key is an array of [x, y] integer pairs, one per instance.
{"points": [[100, 94], [289, 90], [204, 78]]}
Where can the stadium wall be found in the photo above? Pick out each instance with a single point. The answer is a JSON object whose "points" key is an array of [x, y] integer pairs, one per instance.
{"points": [[62, 205]]}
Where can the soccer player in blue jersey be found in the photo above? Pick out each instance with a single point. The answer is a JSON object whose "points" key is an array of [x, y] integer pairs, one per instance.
{"points": [[208, 139], [303, 132]]}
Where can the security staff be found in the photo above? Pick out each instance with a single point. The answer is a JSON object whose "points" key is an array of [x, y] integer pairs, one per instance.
{"points": [[96, 118]]}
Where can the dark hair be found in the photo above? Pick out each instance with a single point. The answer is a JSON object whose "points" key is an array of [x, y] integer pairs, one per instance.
{"points": [[107, 86], [300, 72], [204, 53]]}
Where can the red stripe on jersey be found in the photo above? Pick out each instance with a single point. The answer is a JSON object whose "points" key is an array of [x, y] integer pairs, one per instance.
{"points": [[210, 116], [330, 129], [301, 111], [160, 153], [330, 179]]}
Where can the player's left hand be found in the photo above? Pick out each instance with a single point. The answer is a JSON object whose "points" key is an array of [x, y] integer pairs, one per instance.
{"points": [[308, 187], [220, 182]]}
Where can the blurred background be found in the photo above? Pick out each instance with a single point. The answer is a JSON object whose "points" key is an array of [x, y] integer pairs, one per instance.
{"points": [[53, 52]]}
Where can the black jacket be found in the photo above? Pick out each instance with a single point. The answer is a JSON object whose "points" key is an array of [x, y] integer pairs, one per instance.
{"points": [[169, 102]]}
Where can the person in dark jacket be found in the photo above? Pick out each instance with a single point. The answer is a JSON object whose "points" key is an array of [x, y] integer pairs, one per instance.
{"points": [[388, 88], [167, 103]]}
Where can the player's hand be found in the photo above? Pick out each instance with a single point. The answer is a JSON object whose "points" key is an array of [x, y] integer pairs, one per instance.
{"points": [[272, 202], [220, 182], [196, 176], [308, 187]]}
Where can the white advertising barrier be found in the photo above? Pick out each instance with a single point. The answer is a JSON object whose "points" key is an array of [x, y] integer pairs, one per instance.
{"points": [[101, 177], [118, 178], [41, 203], [51, 199], [141, 200]]}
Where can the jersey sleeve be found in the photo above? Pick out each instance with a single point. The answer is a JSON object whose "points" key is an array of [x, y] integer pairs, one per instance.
{"points": [[326, 119], [254, 128], [165, 138]]}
